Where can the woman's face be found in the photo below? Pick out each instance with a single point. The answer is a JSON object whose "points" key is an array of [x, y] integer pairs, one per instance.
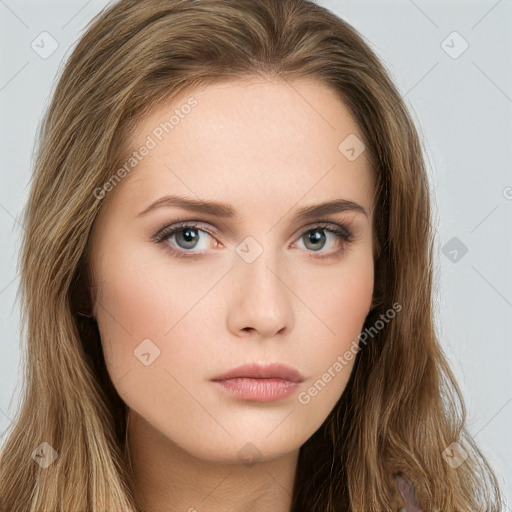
{"points": [[254, 280]]}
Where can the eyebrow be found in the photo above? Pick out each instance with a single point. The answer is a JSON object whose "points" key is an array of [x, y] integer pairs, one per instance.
{"points": [[227, 211]]}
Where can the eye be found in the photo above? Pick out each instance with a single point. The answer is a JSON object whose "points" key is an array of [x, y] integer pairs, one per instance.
{"points": [[188, 239], [186, 236], [316, 238]]}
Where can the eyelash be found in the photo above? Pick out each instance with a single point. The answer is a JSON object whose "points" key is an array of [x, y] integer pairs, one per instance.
{"points": [[341, 232]]}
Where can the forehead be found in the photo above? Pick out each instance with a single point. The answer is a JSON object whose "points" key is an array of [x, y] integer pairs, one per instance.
{"points": [[247, 142]]}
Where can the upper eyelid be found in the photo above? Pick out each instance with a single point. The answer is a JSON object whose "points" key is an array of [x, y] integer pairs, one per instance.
{"points": [[234, 227], [204, 226]]}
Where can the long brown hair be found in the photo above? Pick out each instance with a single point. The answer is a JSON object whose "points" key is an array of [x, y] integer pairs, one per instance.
{"points": [[401, 408]]}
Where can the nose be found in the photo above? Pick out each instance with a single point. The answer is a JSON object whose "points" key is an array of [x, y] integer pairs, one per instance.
{"points": [[260, 298]]}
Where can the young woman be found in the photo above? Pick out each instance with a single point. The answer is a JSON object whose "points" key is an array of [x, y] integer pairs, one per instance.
{"points": [[227, 278]]}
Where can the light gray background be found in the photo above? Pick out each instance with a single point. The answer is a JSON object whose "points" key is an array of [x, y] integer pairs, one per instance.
{"points": [[463, 109]]}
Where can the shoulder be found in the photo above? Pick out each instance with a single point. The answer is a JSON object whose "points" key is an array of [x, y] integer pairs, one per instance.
{"points": [[407, 493]]}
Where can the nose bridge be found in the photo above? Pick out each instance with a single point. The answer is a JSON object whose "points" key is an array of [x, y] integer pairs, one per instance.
{"points": [[261, 301]]}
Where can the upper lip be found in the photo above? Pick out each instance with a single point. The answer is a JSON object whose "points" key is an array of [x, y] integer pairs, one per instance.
{"points": [[263, 371]]}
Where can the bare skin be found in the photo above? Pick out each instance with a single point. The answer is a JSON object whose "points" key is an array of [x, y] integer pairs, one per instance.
{"points": [[267, 149]]}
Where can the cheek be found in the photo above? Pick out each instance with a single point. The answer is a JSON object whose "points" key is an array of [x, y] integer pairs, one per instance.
{"points": [[348, 301], [146, 304], [342, 306], [133, 304], [341, 301]]}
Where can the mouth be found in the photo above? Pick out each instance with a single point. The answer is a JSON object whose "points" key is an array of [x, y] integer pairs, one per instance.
{"points": [[260, 382]]}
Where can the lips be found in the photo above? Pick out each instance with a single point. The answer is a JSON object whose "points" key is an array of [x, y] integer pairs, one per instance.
{"points": [[262, 371]]}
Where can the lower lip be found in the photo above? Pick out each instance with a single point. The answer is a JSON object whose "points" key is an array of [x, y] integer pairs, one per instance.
{"points": [[259, 390]]}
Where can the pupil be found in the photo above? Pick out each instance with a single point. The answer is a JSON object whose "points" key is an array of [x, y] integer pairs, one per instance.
{"points": [[189, 235], [316, 236]]}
